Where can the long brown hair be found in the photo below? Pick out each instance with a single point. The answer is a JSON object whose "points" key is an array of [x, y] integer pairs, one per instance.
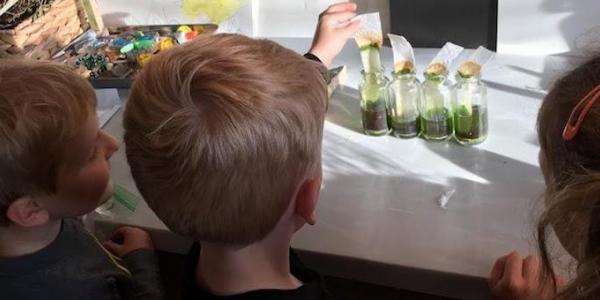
{"points": [[572, 173]]}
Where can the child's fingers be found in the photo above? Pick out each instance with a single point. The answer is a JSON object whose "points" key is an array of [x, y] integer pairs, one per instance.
{"points": [[497, 271], [338, 18], [127, 231], [339, 7], [112, 247], [531, 267], [549, 290], [513, 267], [121, 231], [351, 28]]}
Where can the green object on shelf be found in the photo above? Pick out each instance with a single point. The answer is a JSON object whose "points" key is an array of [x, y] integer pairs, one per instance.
{"points": [[127, 48], [125, 198], [144, 44]]}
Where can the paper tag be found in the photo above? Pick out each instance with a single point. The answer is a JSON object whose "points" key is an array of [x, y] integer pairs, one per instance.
{"points": [[404, 56], [439, 65], [371, 33], [473, 65], [481, 56]]}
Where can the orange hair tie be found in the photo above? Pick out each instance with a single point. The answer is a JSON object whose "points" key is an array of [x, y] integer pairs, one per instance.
{"points": [[579, 112]]}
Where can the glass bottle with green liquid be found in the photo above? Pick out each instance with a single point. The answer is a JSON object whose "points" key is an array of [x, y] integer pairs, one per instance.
{"points": [[437, 96], [373, 99], [404, 91], [373, 86], [470, 108]]}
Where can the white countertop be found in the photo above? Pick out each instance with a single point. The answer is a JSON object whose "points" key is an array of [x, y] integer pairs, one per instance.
{"points": [[378, 216]]}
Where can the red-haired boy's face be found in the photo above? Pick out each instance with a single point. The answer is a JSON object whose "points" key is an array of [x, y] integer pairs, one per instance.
{"points": [[83, 178]]}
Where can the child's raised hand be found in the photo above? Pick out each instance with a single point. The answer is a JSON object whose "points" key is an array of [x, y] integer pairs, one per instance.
{"points": [[334, 28], [127, 239], [515, 278]]}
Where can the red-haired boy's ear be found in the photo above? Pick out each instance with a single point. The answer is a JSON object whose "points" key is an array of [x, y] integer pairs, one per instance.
{"points": [[306, 200], [27, 212]]}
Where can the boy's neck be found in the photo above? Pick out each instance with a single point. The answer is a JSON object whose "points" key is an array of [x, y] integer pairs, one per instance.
{"points": [[17, 241], [229, 270]]}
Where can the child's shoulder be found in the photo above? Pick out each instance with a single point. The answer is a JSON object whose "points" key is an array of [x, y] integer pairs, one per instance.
{"points": [[73, 264]]}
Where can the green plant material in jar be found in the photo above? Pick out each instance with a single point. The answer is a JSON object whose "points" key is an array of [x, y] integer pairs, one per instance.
{"points": [[371, 60], [373, 105], [471, 68], [470, 124], [374, 118], [369, 40], [436, 124]]}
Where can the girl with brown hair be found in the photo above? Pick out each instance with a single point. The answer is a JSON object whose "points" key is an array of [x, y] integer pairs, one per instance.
{"points": [[569, 136]]}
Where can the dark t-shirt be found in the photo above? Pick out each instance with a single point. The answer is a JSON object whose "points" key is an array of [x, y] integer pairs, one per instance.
{"points": [[75, 266], [312, 288]]}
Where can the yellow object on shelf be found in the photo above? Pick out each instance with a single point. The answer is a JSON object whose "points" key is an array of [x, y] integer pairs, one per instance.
{"points": [[166, 43], [143, 58], [198, 28], [216, 10], [184, 28]]}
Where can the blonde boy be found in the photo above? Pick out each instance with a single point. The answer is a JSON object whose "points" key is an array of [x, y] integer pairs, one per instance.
{"points": [[53, 168], [223, 137]]}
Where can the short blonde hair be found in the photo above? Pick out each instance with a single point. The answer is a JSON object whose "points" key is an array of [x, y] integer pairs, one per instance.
{"points": [[221, 131], [42, 106]]}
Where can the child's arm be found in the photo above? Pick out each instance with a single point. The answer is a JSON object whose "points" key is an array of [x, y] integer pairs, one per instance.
{"points": [[135, 247], [333, 29], [516, 278]]}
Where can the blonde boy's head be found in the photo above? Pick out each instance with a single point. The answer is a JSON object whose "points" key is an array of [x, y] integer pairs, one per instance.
{"points": [[42, 106], [221, 132]]}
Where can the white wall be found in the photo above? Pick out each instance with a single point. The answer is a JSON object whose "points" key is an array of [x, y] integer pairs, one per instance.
{"points": [[263, 18], [298, 18], [547, 26], [525, 26]]}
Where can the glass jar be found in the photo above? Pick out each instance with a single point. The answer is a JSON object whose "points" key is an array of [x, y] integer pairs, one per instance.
{"points": [[435, 108], [403, 110], [470, 111], [373, 101]]}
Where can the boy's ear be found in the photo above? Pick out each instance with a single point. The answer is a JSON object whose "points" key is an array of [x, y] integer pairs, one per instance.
{"points": [[306, 200], [27, 212]]}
